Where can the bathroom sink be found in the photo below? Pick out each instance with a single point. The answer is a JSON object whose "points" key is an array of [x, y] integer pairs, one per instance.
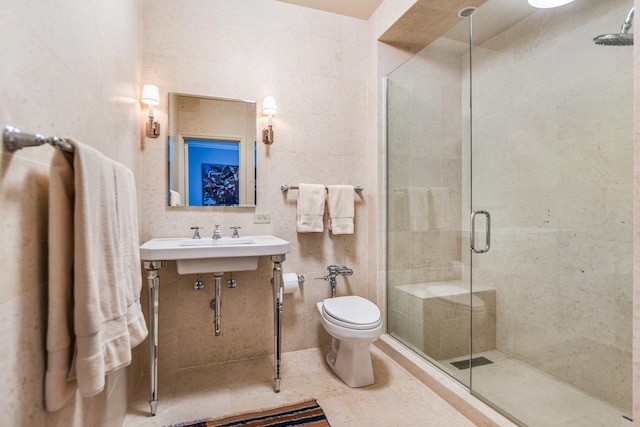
{"points": [[210, 256], [206, 241]]}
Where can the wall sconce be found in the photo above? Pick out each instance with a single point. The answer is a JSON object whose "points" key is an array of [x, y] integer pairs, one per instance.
{"points": [[269, 107], [151, 97]]}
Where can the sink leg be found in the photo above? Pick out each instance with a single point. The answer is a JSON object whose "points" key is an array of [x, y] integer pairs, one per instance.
{"points": [[277, 317], [217, 277], [153, 284]]}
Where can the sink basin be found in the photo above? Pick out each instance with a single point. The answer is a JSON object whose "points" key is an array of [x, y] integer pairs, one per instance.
{"points": [[210, 256], [205, 241]]}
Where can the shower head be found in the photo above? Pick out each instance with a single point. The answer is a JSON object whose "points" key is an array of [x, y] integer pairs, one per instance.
{"points": [[624, 38], [467, 12]]}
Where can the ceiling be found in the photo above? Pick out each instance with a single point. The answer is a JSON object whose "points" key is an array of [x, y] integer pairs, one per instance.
{"points": [[361, 9], [429, 19]]}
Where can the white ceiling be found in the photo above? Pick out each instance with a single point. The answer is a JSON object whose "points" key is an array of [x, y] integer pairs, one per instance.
{"points": [[361, 9]]}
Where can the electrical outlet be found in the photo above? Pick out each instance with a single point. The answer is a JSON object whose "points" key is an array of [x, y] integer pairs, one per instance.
{"points": [[261, 218]]}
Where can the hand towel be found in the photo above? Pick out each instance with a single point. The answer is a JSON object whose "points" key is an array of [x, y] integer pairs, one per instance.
{"points": [[428, 207], [310, 218], [341, 208], [174, 198], [95, 312]]}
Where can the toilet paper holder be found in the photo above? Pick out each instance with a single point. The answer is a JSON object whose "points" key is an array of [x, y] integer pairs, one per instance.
{"points": [[291, 282]]}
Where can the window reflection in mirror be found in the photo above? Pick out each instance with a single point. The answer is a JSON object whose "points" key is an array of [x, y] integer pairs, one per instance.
{"points": [[211, 151]]}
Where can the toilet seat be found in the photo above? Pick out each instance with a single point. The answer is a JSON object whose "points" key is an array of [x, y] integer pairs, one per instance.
{"points": [[351, 312]]}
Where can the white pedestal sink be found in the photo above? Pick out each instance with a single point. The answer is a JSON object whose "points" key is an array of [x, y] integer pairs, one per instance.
{"points": [[193, 256], [209, 255]]}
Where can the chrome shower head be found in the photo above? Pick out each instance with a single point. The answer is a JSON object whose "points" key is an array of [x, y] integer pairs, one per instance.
{"points": [[467, 12], [624, 38]]}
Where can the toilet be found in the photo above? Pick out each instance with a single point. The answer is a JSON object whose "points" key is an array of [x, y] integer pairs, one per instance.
{"points": [[354, 323]]}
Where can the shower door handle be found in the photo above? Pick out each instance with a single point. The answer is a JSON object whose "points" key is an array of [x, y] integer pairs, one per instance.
{"points": [[473, 232]]}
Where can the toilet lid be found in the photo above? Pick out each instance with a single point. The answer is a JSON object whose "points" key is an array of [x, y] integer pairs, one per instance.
{"points": [[353, 310]]}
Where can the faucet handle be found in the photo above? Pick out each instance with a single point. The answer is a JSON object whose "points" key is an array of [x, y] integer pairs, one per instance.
{"points": [[196, 232], [235, 231]]}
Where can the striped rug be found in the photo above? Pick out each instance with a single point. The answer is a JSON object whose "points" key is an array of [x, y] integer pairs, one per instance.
{"points": [[301, 414]]}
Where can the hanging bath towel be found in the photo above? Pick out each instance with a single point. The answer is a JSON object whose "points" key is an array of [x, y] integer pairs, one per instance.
{"points": [[95, 316]]}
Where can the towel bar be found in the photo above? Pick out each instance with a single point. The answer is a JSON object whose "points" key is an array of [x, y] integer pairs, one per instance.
{"points": [[14, 140], [286, 187]]}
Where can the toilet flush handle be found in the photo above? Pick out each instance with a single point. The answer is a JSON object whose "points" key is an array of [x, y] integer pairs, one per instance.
{"points": [[343, 269]]}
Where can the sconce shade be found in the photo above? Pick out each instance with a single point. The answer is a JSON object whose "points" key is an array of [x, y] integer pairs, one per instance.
{"points": [[150, 95], [269, 105]]}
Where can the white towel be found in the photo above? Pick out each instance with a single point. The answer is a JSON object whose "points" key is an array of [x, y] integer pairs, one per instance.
{"points": [[94, 287], [174, 198], [310, 218], [341, 208], [427, 207], [60, 335]]}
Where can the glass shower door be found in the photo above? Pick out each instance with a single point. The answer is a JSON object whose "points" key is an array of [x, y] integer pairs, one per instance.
{"points": [[550, 159], [531, 132], [428, 288]]}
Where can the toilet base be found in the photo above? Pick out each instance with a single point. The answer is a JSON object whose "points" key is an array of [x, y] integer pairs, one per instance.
{"points": [[351, 362]]}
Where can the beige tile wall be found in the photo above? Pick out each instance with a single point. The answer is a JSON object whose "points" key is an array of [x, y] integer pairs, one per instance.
{"points": [[73, 68], [69, 69], [636, 231], [315, 64]]}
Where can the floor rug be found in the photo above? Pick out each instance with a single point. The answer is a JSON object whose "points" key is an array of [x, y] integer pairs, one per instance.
{"points": [[301, 414]]}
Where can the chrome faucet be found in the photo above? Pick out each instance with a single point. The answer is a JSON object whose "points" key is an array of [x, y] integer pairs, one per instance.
{"points": [[217, 234], [235, 231], [196, 232]]}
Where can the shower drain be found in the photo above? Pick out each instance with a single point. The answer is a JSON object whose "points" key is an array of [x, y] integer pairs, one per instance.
{"points": [[476, 361]]}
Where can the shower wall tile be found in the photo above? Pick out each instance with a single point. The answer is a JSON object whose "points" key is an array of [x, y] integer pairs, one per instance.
{"points": [[636, 230], [558, 190]]}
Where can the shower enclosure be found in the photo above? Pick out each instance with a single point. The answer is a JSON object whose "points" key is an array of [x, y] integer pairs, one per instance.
{"points": [[512, 134]]}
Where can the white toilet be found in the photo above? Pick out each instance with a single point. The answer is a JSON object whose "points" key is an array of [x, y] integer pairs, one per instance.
{"points": [[354, 323]]}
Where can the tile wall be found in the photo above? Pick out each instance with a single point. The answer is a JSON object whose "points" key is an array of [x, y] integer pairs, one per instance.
{"points": [[314, 63], [69, 69], [75, 67]]}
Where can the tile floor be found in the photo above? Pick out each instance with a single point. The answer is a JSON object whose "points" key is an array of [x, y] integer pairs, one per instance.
{"points": [[396, 399], [535, 397]]}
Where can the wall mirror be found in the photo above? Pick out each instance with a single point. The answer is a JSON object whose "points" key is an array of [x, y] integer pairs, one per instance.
{"points": [[211, 151]]}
